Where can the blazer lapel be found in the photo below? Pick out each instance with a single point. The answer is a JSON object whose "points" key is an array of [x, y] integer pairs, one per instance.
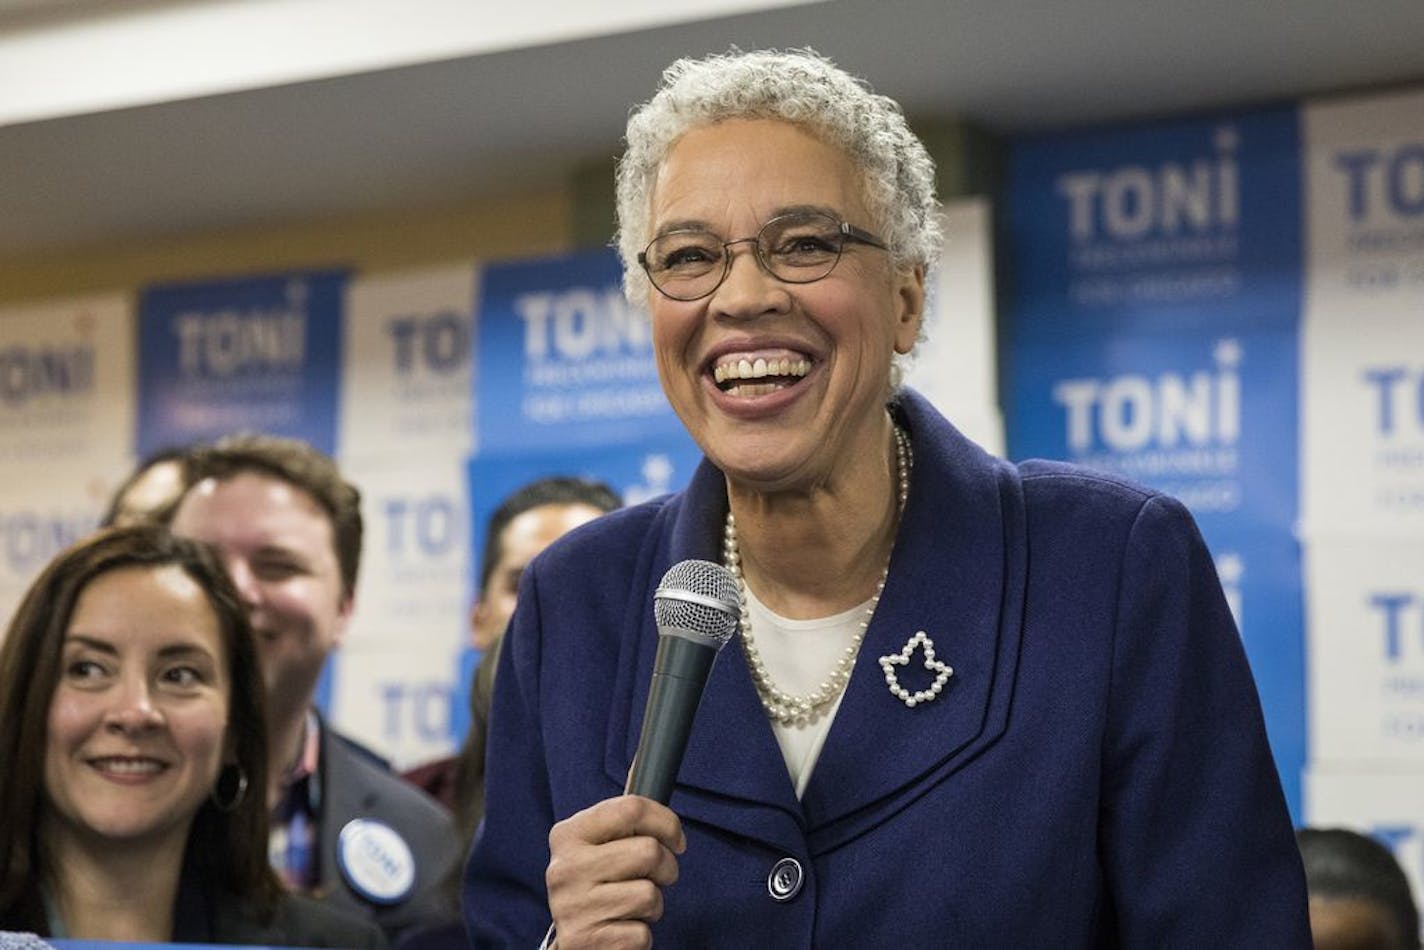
{"points": [[732, 756], [956, 573]]}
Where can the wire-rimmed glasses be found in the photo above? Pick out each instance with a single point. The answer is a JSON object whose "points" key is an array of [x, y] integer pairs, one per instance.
{"points": [[798, 248]]}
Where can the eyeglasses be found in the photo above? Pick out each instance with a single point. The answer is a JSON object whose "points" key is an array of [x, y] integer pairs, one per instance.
{"points": [[797, 248]]}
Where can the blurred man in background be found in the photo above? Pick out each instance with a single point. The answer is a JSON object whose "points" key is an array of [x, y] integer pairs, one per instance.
{"points": [[344, 827]]}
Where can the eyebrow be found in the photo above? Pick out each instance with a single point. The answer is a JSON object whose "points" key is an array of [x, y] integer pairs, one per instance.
{"points": [[698, 224], [104, 646]]}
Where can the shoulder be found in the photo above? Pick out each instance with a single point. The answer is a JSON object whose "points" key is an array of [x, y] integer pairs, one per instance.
{"points": [[313, 924], [295, 922], [1061, 494], [380, 790], [1056, 480]]}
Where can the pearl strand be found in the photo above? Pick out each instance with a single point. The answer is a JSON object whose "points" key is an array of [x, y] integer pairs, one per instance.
{"points": [[780, 705]]}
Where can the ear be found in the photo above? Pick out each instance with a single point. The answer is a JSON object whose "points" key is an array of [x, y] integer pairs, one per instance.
{"points": [[344, 610], [910, 307], [480, 622]]}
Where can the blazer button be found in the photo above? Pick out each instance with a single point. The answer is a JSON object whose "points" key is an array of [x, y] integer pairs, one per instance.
{"points": [[785, 880]]}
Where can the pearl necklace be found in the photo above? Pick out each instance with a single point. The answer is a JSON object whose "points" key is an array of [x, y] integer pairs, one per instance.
{"points": [[798, 710]]}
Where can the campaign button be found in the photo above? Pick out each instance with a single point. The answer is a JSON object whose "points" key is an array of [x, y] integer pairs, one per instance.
{"points": [[375, 861]]}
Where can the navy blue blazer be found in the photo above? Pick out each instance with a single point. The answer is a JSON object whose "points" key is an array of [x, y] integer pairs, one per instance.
{"points": [[1095, 774]]}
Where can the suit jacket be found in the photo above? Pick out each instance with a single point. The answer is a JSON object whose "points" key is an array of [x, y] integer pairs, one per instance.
{"points": [[353, 785], [1095, 774], [298, 922]]}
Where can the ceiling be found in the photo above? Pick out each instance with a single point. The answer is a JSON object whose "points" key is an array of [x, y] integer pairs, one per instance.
{"points": [[476, 127]]}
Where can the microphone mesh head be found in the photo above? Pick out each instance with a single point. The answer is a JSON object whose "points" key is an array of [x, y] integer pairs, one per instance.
{"points": [[699, 597]]}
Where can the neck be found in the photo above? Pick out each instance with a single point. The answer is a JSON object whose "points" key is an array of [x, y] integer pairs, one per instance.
{"points": [[105, 890], [286, 736], [815, 553]]}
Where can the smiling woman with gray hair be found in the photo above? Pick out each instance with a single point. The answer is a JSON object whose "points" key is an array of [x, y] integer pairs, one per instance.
{"points": [[971, 703]]}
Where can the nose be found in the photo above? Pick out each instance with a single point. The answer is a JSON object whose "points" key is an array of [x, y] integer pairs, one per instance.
{"points": [[748, 289], [134, 710]]}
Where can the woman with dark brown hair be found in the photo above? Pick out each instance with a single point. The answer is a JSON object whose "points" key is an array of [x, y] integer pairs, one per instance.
{"points": [[135, 755]]}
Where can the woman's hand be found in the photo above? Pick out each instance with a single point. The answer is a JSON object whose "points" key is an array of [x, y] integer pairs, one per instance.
{"points": [[607, 867]]}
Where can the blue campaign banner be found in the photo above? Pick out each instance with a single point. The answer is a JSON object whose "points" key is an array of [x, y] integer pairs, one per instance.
{"points": [[1211, 419], [562, 358], [256, 354], [1183, 225]]}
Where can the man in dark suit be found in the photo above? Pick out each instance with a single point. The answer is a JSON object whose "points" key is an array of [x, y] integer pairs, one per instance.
{"points": [[345, 829]]}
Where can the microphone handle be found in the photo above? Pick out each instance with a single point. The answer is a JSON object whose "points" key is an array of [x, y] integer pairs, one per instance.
{"points": [[680, 673]]}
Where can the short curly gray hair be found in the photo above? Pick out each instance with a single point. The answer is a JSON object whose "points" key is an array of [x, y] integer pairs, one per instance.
{"points": [[799, 86]]}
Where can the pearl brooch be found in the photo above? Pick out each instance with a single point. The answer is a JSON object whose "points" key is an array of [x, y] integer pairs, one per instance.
{"points": [[941, 670], [785, 708]]}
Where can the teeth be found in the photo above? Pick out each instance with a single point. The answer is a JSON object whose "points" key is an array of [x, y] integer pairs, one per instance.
{"points": [[754, 389], [760, 369], [129, 766]]}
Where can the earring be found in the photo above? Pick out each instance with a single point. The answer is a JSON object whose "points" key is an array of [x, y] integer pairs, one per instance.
{"points": [[238, 794]]}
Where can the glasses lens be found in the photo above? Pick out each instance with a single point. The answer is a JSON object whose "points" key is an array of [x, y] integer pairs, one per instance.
{"points": [[685, 264], [800, 248]]}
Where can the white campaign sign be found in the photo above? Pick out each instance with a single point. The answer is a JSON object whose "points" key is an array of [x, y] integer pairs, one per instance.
{"points": [[405, 383], [38, 519], [1365, 601], [954, 365], [66, 388], [396, 700], [1363, 323], [409, 624], [66, 427]]}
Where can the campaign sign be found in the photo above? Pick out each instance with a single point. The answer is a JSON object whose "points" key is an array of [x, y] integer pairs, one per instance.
{"points": [[38, 519], [66, 388], [1363, 328], [405, 387], [1380, 802], [259, 354], [1366, 635], [411, 591], [1363, 427], [563, 359], [1210, 419], [1365, 179], [636, 471], [954, 364], [396, 700], [1181, 225]]}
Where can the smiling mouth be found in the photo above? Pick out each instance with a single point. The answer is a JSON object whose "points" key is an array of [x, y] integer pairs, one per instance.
{"points": [[116, 765], [756, 376]]}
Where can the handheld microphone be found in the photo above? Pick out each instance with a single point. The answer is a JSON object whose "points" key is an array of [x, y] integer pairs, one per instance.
{"points": [[697, 606]]}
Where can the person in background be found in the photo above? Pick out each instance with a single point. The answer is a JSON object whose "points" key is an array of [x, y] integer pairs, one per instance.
{"points": [[152, 489], [971, 702], [526, 522], [345, 829], [1359, 895], [134, 750]]}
